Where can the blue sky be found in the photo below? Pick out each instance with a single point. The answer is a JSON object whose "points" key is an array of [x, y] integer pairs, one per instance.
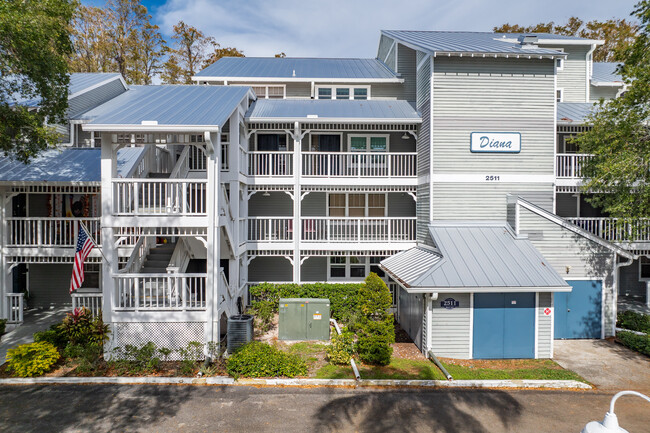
{"points": [[350, 28]]}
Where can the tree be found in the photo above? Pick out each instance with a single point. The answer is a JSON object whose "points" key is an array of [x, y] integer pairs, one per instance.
{"points": [[189, 53], [34, 49], [620, 140], [92, 47], [376, 330], [281, 55], [148, 52], [617, 34], [222, 52]]}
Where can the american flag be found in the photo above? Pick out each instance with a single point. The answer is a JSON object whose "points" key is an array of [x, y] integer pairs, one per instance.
{"points": [[84, 245]]}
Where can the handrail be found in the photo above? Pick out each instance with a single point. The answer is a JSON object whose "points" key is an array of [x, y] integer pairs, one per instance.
{"points": [[182, 165], [180, 257], [134, 254]]}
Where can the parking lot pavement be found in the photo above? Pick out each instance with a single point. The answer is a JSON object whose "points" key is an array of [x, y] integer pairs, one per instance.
{"points": [[98, 408], [606, 364]]}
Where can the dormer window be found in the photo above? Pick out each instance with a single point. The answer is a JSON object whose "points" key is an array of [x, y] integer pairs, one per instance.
{"points": [[342, 92]]}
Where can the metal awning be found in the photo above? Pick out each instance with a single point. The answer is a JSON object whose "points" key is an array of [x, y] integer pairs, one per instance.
{"points": [[474, 257]]}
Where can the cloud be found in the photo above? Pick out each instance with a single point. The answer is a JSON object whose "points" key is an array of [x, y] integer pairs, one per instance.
{"points": [[340, 28]]}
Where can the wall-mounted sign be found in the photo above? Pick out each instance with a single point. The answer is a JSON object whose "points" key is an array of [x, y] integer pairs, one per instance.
{"points": [[547, 311], [495, 142], [449, 303]]}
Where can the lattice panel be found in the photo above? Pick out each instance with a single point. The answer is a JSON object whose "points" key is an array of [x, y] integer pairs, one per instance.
{"points": [[172, 335]]}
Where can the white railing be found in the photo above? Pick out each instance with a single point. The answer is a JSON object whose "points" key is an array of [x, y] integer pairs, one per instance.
{"points": [[159, 197], [160, 292], [224, 282], [612, 230], [93, 301], [356, 164], [180, 257], [153, 159], [182, 166], [14, 308], [49, 232], [271, 229], [243, 161], [198, 159], [224, 157], [138, 254], [569, 165], [243, 223], [348, 229], [270, 163]]}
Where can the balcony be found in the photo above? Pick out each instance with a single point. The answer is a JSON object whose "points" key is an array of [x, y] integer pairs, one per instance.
{"points": [[330, 229], [569, 165], [49, 232], [160, 292], [609, 229], [270, 164], [355, 164], [159, 197]]}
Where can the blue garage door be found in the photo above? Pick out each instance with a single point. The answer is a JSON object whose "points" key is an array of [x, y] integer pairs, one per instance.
{"points": [[578, 313], [504, 325]]}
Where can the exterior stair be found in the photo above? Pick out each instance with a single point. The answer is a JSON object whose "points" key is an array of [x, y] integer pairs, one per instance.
{"points": [[158, 259]]}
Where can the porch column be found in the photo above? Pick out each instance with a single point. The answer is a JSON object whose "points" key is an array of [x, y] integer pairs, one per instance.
{"points": [[297, 192], [5, 279], [212, 293], [109, 266]]}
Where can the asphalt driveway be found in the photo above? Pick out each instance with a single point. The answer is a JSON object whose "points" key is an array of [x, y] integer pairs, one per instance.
{"points": [[606, 364]]}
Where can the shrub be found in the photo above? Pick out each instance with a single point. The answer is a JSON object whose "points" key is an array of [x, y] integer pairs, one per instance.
{"points": [[190, 355], [341, 349], [32, 359], [263, 311], [374, 345], [87, 357], [54, 336], [134, 359], [634, 321], [640, 343], [259, 359], [374, 298], [3, 326], [81, 327]]}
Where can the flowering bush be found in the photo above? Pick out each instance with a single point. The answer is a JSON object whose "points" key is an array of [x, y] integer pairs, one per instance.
{"points": [[32, 359], [82, 328]]}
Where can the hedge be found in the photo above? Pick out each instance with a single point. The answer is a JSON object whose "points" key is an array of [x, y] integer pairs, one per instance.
{"points": [[640, 343], [257, 359], [634, 321]]}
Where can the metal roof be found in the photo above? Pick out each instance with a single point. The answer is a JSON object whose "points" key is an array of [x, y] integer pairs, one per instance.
{"points": [[154, 107], [297, 69], [473, 42], [605, 72], [475, 257], [573, 113], [66, 165], [331, 110]]}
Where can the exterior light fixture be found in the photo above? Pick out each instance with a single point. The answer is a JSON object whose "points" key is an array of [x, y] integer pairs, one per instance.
{"points": [[266, 194], [610, 422], [405, 136]]}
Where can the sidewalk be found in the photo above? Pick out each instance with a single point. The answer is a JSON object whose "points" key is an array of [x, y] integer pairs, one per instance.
{"points": [[33, 321]]}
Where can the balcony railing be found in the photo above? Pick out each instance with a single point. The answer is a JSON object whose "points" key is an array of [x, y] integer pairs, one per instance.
{"points": [[160, 291], [270, 163], [15, 307], [610, 230], [348, 229], [159, 197], [355, 164], [271, 229], [91, 300], [49, 232], [569, 165]]}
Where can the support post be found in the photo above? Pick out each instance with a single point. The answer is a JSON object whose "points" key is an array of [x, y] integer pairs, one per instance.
{"points": [[297, 200], [109, 265], [213, 294]]}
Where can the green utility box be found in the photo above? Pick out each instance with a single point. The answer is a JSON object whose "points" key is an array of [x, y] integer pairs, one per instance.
{"points": [[304, 319]]}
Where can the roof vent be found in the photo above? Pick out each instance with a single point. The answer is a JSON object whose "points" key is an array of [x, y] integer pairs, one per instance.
{"points": [[294, 72], [528, 41]]}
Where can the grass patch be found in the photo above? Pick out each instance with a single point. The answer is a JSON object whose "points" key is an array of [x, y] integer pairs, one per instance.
{"points": [[331, 371]]}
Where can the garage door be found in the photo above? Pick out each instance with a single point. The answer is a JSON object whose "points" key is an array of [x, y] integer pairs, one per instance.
{"points": [[578, 314], [504, 325]]}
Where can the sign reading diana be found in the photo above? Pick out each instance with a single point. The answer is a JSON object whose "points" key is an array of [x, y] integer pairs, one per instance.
{"points": [[495, 142], [449, 303]]}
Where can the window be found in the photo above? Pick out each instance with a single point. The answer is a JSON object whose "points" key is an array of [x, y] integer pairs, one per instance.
{"points": [[368, 143], [325, 142], [644, 268], [272, 142], [324, 93], [268, 91], [357, 205], [343, 92], [337, 267], [559, 64], [354, 267], [559, 95]]}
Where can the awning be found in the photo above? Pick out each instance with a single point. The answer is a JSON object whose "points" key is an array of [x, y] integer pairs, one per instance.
{"points": [[474, 257]]}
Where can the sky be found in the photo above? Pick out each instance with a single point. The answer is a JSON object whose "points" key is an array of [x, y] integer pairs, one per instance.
{"points": [[340, 28]]}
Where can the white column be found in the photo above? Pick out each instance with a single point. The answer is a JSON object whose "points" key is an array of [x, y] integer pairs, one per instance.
{"points": [[109, 264], [213, 294], [297, 227]]}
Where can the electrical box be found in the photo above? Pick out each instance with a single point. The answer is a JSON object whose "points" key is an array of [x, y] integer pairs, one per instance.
{"points": [[304, 319]]}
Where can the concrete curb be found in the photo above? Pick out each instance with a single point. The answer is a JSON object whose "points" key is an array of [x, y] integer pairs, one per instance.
{"points": [[346, 383]]}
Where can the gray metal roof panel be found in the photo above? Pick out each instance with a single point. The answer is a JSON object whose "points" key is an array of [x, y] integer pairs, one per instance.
{"points": [[66, 165], [314, 109], [573, 112], [170, 105], [470, 42], [605, 72], [476, 256], [294, 68]]}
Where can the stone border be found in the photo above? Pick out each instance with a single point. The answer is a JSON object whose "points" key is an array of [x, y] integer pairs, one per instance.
{"points": [[346, 383]]}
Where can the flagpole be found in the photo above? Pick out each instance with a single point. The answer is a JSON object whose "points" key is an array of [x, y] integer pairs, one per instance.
{"points": [[93, 240]]}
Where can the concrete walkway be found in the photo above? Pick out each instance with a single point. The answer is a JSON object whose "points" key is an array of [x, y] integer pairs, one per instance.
{"points": [[608, 365], [33, 321]]}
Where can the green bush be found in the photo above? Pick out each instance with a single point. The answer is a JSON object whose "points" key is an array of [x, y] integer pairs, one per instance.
{"points": [[134, 359], [375, 339], [640, 343], [259, 359], [3, 326], [32, 359], [87, 357], [342, 347], [54, 336], [634, 321], [81, 327], [190, 355]]}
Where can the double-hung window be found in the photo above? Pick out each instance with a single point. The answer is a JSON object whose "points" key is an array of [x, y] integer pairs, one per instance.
{"points": [[343, 92], [357, 205], [368, 143], [353, 267], [644, 268]]}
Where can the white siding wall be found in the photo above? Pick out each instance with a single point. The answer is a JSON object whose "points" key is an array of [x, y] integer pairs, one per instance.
{"points": [[598, 92], [423, 101], [544, 326], [585, 258], [450, 329], [573, 76]]}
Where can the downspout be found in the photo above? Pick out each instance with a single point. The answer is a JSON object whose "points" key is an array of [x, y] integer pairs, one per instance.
{"points": [[617, 266]]}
